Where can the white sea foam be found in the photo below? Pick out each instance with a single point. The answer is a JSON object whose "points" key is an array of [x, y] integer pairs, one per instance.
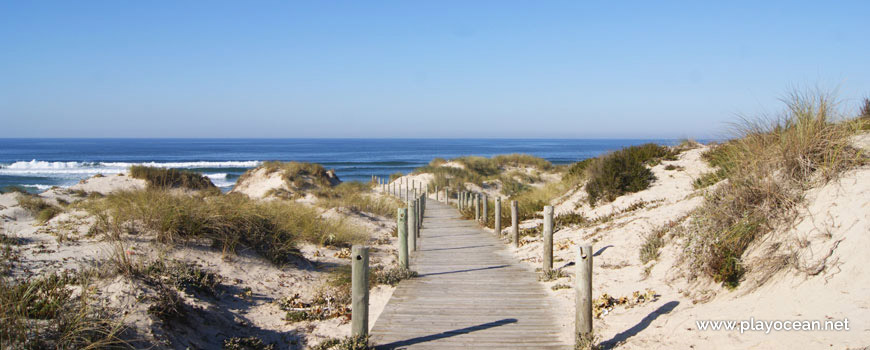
{"points": [[77, 169], [220, 180]]}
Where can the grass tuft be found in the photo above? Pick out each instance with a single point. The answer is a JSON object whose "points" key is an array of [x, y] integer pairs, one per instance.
{"points": [[38, 207], [768, 166]]}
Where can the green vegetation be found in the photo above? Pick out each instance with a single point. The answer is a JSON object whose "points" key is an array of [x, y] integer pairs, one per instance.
{"points": [[38, 207], [43, 313], [300, 175], [346, 343], [248, 343], [13, 189], [623, 171], [356, 197], [161, 178], [768, 166], [479, 170], [272, 228]]}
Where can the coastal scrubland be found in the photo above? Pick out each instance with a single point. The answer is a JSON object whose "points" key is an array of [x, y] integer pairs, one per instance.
{"points": [[769, 223], [766, 223], [168, 250]]}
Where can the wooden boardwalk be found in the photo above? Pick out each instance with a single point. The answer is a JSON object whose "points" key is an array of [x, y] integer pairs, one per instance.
{"points": [[471, 294]]}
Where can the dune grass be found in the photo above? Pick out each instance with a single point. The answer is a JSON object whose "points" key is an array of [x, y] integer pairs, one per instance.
{"points": [[38, 207], [768, 165], [43, 313], [479, 170], [357, 197], [13, 189], [300, 175], [231, 221]]}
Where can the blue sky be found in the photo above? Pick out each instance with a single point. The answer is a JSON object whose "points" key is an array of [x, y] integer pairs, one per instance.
{"points": [[543, 69]]}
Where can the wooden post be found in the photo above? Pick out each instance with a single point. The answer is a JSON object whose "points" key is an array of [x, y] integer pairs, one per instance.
{"points": [[477, 207], [485, 203], [515, 223], [412, 226], [402, 224], [359, 319], [583, 293], [548, 238], [497, 225]]}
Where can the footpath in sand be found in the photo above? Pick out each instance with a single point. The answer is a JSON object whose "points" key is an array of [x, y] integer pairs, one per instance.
{"points": [[471, 293]]}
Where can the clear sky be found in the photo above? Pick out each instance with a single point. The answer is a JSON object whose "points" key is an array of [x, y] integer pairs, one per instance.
{"points": [[536, 69]]}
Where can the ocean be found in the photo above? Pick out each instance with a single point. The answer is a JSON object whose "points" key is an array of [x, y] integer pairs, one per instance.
{"points": [[39, 164]]}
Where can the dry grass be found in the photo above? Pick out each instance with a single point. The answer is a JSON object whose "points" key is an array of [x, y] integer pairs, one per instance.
{"points": [[43, 313], [272, 228], [300, 175], [358, 197], [768, 166], [38, 207]]}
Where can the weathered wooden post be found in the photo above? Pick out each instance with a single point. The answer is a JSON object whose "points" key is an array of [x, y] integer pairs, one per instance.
{"points": [[359, 319], [515, 223], [422, 205], [583, 294], [402, 225], [485, 203], [497, 225], [548, 238], [477, 207], [412, 226]]}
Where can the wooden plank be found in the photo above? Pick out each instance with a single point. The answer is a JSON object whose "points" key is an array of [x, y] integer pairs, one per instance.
{"points": [[470, 293]]}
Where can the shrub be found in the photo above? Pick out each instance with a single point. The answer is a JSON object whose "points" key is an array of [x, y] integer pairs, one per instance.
{"points": [[167, 305], [171, 178], [248, 343], [391, 276], [623, 171], [865, 108], [768, 167], [272, 228]]}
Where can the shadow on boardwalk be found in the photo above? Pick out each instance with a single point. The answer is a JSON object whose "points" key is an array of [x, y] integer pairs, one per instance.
{"points": [[447, 334]]}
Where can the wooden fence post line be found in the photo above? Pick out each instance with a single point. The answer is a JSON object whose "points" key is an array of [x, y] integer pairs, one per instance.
{"points": [[548, 238], [497, 225], [583, 293], [402, 225], [359, 319], [515, 223], [412, 226]]}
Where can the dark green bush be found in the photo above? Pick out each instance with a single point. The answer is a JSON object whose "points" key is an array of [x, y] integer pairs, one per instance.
{"points": [[621, 172], [171, 178]]}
